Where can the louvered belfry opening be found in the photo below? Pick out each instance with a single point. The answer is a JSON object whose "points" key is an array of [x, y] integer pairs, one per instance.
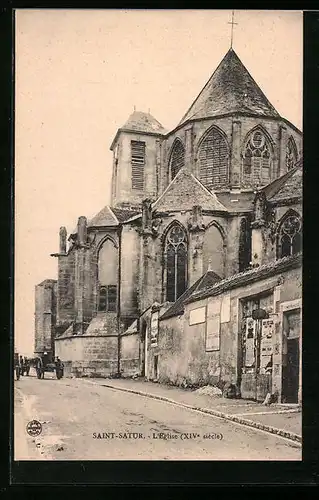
{"points": [[214, 160], [177, 160], [176, 263], [138, 164]]}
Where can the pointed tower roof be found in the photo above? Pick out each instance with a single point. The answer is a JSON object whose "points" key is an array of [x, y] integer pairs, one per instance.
{"points": [[143, 122], [230, 89]]}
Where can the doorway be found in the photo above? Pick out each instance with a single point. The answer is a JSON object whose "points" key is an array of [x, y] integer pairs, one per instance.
{"points": [[290, 373], [143, 347], [156, 367]]}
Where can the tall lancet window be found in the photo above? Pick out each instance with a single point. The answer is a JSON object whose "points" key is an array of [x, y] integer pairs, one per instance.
{"points": [[213, 158], [289, 235], [291, 153], [177, 159], [257, 160], [176, 262], [107, 277]]}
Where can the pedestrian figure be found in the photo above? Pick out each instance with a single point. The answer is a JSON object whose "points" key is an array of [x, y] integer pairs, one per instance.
{"points": [[39, 368], [17, 366], [58, 368], [21, 366], [27, 365]]}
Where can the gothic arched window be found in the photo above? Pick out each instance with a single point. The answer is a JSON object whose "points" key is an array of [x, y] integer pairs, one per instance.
{"points": [[291, 153], [257, 160], [289, 235], [107, 276], [177, 160], [176, 262], [213, 157]]}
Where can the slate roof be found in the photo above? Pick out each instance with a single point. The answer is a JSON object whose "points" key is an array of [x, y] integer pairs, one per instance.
{"points": [[105, 217], [183, 190], [207, 280], [48, 281], [123, 214], [143, 122], [237, 202], [287, 186], [230, 89], [247, 277]]}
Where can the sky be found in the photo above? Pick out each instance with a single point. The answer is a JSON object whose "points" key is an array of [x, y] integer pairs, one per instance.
{"points": [[79, 75]]}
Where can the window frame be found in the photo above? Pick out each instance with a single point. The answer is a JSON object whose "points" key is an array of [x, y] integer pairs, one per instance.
{"points": [[285, 218], [110, 306]]}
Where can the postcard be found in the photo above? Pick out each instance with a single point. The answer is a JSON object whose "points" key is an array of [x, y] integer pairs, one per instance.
{"points": [[158, 235]]}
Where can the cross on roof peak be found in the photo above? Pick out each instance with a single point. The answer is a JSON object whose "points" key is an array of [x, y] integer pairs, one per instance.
{"points": [[232, 29]]}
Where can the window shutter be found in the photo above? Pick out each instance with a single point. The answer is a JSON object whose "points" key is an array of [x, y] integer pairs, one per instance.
{"points": [[138, 163]]}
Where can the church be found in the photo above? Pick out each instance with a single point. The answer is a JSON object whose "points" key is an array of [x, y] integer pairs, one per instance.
{"points": [[192, 274]]}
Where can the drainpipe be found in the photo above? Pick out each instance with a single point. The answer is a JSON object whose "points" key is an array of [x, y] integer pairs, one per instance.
{"points": [[119, 305]]}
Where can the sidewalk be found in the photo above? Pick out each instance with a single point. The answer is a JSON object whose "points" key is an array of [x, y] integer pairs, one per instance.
{"points": [[285, 420]]}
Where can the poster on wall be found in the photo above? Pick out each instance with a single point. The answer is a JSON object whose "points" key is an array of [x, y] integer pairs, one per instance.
{"points": [[154, 329], [213, 325], [225, 309], [197, 316], [266, 345], [250, 342]]}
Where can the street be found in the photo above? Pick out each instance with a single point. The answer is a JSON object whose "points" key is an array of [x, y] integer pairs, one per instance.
{"points": [[82, 420]]}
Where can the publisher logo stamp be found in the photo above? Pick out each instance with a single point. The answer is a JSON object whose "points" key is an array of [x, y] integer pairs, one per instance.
{"points": [[34, 428]]}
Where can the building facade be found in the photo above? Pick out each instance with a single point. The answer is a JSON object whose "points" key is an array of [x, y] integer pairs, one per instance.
{"points": [[217, 196], [45, 318]]}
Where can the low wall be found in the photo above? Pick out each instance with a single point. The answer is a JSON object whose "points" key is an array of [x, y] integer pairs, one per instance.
{"points": [[130, 352], [88, 356], [97, 355]]}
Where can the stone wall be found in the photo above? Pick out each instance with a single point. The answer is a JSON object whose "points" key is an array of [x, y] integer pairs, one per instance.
{"points": [[123, 183], [66, 289], [130, 253], [88, 355], [45, 316], [130, 355]]}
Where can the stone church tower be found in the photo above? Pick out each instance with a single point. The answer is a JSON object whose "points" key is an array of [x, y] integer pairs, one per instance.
{"points": [[183, 203]]}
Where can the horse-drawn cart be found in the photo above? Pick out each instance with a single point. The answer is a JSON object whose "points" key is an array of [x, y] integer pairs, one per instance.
{"points": [[41, 366]]}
